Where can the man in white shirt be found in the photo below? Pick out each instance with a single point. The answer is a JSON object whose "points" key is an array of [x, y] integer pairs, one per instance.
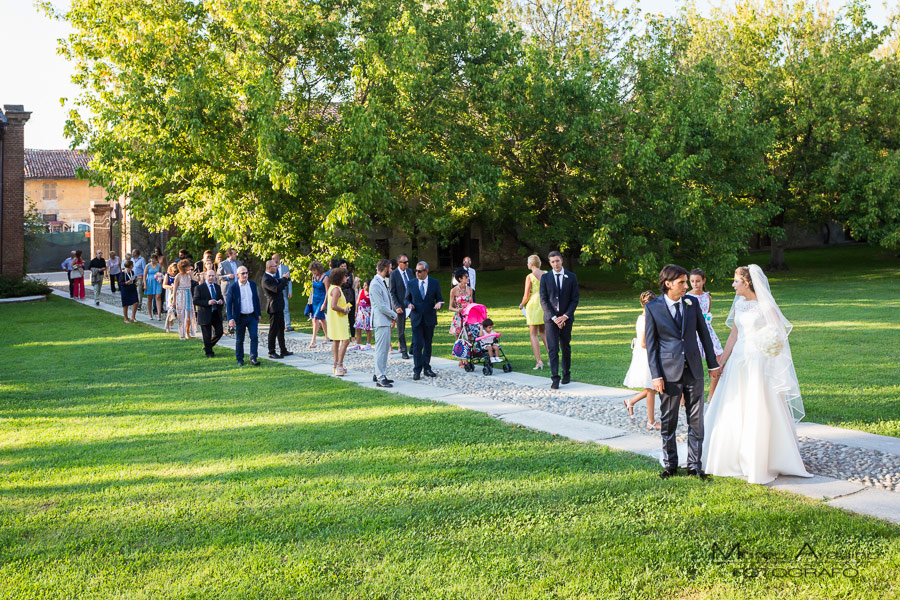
{"points": [[467, 265], [244, 314]]}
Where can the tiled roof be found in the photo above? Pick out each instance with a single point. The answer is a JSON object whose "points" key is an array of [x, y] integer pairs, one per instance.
{"points": [[54, 164]]}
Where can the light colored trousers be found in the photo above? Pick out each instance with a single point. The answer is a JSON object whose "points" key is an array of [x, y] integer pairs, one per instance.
{"points": [[97, 284], [287, 309], [382, 348]]}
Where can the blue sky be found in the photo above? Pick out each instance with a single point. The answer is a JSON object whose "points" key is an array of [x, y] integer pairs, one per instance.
{"points": [[40, 81]]}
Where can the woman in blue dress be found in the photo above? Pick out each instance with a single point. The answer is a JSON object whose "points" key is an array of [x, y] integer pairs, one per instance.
{"points": [[153, 275], [317, 301]]}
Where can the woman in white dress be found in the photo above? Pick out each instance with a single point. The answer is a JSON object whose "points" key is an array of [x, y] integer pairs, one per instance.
{"points": [[749, 422]]}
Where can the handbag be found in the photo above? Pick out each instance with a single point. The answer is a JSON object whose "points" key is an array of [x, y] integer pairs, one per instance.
{"points": [[462, 349]]}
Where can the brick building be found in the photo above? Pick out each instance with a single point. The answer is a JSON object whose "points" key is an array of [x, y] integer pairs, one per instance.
{"points": [[12, 189], [59, 193]]}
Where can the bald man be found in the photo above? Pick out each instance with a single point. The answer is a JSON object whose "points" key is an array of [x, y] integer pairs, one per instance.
{"points": [[274, 287], [208, 301]]}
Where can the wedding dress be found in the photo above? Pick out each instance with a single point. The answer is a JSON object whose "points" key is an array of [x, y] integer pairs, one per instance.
{"points": [[749, 422]]}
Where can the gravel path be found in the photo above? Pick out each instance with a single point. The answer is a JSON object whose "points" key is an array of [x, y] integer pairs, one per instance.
{"points": [[865, 467]]}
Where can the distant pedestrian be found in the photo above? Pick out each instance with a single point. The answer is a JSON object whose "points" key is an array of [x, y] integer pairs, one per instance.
{"points": [[78, 276], [288, 292], [273, 285], [140, 263], [244, 314], [98, 273], [401, 279], [467, 265], [199, 265], [317, 301], [208, 304], [383, 317], [168, 285], [113, 267], [228, 270], [350, 288], [128, 291], [67, 267], [184, 303], [363, 320], [153, 276]]}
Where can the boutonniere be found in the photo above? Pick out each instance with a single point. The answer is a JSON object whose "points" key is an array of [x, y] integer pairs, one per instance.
{"points": [[688, 302], [565, 276]]}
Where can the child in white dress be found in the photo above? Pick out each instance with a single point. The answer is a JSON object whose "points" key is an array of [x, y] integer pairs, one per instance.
{"points": [[638, 375], [698, 289]]}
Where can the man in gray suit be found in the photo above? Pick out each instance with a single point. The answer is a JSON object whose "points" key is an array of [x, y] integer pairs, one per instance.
{"points": [[383, 316], [228, 270]]}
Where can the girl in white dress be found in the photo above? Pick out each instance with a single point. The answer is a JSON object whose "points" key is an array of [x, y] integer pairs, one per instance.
{"points": [[749, 422], [638, 375]]}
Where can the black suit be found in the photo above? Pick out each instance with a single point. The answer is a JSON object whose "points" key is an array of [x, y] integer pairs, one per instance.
{"points": [[274, 286], [208, 317], [422, 320], [674, 356], [557, 301], [398, 298]]}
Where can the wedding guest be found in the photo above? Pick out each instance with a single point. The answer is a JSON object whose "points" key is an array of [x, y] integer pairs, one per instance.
{"points": [[161, 257], [244, 314], [114, 267], [638, 375], [317, 301], [338, 321], [98, 272], [363, 317], [128, 291], [78, 276], [401, 279], [153, 275], [208, 303], [288, 293], [534, 314], [228, 270], [350, 288], [383, 317], [200, 264], [423, 299], [67, 267], [273, 286], [184, 303], [460, 298], [490, 343], [139, 265], [704, 298], [217, 262], [559, 299], [168, 285]]}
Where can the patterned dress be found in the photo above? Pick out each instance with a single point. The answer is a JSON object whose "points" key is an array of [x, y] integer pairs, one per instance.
{"points": [[184, 306], [462, 301], [363, 312], [705, 299]]}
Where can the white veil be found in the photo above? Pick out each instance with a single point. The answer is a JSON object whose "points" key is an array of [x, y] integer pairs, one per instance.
{"points": [[772, 340]]}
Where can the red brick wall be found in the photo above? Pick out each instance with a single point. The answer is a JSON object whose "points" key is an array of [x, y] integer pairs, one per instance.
{"points": [[12, 253]]}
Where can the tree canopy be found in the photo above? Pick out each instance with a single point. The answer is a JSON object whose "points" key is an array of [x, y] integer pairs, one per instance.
{"points": [[299, 126]]}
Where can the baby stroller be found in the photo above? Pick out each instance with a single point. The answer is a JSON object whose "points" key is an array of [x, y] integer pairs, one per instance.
{"points": [[471, 346]]}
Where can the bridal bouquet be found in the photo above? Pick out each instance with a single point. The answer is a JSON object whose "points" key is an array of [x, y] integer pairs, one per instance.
{"points": [[769, 341]]}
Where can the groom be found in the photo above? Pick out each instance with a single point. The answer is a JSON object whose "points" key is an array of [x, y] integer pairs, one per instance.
{"points": [[672, 323]]}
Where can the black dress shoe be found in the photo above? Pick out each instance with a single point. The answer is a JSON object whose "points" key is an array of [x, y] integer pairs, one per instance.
{"points": [[554, 385], [210, 355], [383, 379], [273, 355], [566, 379], [429, 372], [374, 378], [668, 472], [384, 383], [701, 474], [404, 356], [286, 353], [254, 362], [416, 377], [240, 363]]}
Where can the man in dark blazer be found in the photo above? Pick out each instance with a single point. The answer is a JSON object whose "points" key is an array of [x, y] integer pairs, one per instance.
{"points": [[423, 298], [242, 304], [672, 323], [559, 299], [274, 287], [208, 301], [400, 280]]}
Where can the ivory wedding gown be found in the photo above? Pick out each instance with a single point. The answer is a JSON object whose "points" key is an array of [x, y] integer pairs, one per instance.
{"points": [[749, 422]]}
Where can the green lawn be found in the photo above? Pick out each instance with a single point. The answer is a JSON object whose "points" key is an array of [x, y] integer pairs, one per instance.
{"points": [[844, 304], [134, 468]]}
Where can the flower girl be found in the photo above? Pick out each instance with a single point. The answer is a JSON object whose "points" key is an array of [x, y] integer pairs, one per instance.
{"points": [[638, 375]]}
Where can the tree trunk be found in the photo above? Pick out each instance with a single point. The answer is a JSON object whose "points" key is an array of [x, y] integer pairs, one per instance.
{"points": [[776, 257]]}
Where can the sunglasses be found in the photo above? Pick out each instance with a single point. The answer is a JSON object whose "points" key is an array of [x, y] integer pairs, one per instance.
{"points": [[403, 262], [420, 270]]}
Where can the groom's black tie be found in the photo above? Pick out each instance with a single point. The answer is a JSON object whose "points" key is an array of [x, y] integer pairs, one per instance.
{"points": [[679, 320]]}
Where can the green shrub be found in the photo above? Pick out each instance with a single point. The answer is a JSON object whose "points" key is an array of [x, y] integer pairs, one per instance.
{"points": [[15, 287]]}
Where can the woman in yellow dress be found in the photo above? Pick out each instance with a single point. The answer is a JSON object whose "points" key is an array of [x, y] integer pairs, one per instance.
{"points": [[534, 314], [337, 321]]}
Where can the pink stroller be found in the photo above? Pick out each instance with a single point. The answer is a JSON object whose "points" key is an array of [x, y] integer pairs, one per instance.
{"points": [[474, 316]]}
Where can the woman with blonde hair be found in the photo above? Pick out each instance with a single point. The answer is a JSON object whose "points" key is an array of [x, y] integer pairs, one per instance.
{"points": [[184, 305], [338, 320], [531, 306]]}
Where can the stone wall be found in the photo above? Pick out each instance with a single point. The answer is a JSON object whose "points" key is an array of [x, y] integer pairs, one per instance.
{"points": [[12, 189]]}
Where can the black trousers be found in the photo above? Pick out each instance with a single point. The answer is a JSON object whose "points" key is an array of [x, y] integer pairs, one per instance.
{"points": [[212, 333], [421, 346], [71, 284], [112, 282], [691, 386], [276, 332], [559, 340], [401, 331]]}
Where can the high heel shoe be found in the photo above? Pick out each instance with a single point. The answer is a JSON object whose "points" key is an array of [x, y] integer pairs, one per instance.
{"points": [[538, 367]]}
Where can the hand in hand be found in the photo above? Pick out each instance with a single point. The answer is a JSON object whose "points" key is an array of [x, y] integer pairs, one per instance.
{"points": [[715, 373]]}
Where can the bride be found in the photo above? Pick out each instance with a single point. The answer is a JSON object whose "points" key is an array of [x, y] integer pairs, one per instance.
{"points": [[749, 422]]}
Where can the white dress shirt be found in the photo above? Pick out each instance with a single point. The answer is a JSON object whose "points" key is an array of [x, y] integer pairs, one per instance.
{"points": [[671, 304], [246, 298], [471, 277]]}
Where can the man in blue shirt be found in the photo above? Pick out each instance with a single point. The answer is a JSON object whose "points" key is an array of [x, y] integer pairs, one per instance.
{"points": [[67, 267], [139, 264]]}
